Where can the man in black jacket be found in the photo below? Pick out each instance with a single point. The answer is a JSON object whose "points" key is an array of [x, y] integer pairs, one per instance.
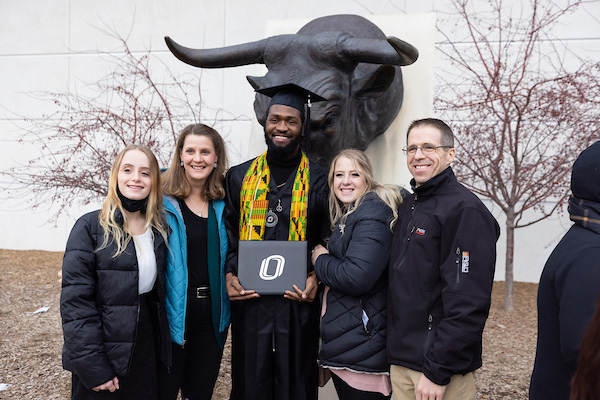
{"points": [[570, 285], [279, 195], [441, 273]]}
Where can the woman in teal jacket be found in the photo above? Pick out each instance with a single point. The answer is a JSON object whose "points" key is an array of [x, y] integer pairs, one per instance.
{"points": [[197, 304]]}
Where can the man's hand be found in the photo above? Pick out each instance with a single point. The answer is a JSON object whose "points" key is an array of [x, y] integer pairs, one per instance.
{"points": [[235, 291], [427, 390], [111, 385], [308, 294], [317, 251], [59, 275]]}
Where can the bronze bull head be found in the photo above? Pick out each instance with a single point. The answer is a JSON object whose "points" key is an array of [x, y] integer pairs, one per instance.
{"points": [[344, 58]]}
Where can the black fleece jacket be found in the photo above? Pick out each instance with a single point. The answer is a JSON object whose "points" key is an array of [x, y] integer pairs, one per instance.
{"points": [[441, 273]]}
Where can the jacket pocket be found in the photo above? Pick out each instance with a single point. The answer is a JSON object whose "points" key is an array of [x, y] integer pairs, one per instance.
{"points": [[429, 333], [457, 265], [366, 321]]}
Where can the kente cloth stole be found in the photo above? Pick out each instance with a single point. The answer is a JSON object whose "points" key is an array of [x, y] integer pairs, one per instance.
{"points": [[254, 202]]}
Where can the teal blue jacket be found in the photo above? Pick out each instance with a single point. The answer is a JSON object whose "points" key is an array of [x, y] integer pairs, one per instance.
{"points": [[177, 271]]}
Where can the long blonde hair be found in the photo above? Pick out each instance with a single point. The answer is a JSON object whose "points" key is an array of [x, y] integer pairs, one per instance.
{"points": [[338, 211], [119, 232], [174, 181]]}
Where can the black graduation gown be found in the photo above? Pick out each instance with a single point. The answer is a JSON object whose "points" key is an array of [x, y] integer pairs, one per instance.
{"points": [[275, 340]]}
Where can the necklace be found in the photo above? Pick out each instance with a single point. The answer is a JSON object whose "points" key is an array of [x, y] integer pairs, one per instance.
{"points": [[199, 209]]}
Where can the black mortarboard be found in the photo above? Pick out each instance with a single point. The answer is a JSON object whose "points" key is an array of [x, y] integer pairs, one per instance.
{"points": [[297, 97]]}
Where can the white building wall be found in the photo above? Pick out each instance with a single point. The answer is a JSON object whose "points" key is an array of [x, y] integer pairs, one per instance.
{"points": [[53, 45]]}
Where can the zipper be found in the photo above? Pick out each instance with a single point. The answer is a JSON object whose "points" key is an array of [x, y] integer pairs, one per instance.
{"points": [[137, 323], [187, 286], [458, 264], [412, 214], [429, 329], [273, 347], [137, 317], [410, 228]]}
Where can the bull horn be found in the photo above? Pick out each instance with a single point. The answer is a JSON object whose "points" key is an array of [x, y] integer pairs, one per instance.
{"points": [[230, 56], [255, 81], [393, 51]]}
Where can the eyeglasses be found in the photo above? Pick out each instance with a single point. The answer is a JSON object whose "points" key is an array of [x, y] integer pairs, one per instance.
{"points": [[426, 149]]}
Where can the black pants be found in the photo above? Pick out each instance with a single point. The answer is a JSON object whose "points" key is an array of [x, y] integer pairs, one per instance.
{"points": [[140, 382], [195, 366], [347, 392]]}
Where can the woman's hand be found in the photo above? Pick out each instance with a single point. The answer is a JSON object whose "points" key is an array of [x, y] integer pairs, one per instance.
{"points": [[235, 291], [111, 385], [317, 251]]}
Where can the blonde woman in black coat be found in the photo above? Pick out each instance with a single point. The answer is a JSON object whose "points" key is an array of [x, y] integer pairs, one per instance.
{"points": [[354, 270], [112, 300]]}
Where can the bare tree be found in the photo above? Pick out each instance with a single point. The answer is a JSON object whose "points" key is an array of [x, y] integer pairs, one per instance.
{"points": [[523, 106], [78, 142]]}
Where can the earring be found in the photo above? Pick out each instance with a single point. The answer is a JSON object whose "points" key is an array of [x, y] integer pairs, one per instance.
{"points": [[181, 162], [215, 166]]}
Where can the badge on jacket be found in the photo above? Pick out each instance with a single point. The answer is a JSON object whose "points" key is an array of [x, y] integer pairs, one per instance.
{"points": [[465, 262]]}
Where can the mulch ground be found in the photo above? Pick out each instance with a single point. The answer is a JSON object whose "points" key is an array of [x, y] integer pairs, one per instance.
{"points": [[30, 344]]}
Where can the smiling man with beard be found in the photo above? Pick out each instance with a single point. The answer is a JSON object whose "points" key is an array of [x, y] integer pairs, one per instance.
{"points": [[282, 196]]}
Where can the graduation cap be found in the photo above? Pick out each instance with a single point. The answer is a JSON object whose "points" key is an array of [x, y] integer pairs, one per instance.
{"points": [[297, 97]]}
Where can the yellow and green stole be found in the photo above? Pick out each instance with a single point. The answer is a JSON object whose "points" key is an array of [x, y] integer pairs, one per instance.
{"points": [[254, 202]]}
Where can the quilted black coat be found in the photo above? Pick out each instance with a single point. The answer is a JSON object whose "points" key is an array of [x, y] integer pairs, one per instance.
{"points": [[353, 329], [99, 304]]}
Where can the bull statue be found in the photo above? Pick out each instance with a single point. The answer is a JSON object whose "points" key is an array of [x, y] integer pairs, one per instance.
{"points": [[345, 59]]}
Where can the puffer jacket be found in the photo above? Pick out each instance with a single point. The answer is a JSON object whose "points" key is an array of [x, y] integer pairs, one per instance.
{"points": [[99, 304], [177, 273], [353, 329]]}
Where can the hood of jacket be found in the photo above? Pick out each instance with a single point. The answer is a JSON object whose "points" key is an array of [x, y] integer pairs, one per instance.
{"points": [[584, 204], [585, 177]]}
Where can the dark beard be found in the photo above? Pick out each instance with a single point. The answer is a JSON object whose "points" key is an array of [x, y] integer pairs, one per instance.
{"points": [[285, 152]]}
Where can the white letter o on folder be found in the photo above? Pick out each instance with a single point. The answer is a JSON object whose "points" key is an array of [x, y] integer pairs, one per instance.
{"points": [[264, 267]]}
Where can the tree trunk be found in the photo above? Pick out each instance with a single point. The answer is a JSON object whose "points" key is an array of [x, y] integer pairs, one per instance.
{"points": [[510, 249]]}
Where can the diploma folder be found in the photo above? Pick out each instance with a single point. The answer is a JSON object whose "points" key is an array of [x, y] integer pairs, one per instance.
{"points": [[272, 266]]}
